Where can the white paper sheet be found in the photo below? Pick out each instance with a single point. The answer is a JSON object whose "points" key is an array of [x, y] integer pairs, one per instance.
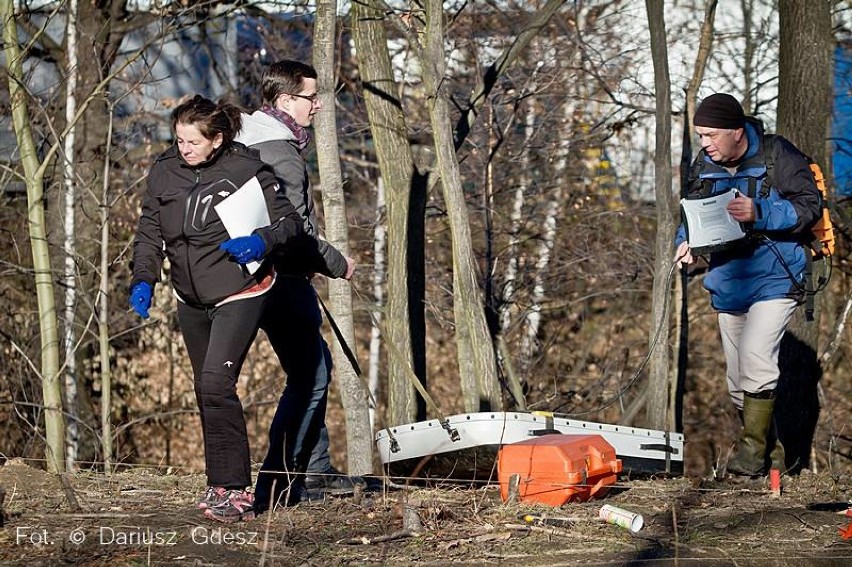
{"points": [[243, 211]]}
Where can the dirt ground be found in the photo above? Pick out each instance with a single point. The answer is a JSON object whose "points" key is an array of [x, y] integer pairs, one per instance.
{"points": [[147, 518]]}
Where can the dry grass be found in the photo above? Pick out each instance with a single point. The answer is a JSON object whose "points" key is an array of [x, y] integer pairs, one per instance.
{"points": [[141, 518]]}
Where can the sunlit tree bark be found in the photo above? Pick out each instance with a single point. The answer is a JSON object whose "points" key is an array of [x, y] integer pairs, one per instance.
{"points": [[34, 178], [359, 436], [379, 265], [476, 360], [805, 79], [659, 414], [69, 248], [403, 185]]}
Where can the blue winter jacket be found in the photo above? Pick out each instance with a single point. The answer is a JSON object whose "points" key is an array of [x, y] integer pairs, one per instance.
{"points": [[772, 265]]}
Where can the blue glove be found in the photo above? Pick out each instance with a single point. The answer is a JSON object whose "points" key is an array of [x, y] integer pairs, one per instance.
{"points": [[245, 249], [140, 298]]}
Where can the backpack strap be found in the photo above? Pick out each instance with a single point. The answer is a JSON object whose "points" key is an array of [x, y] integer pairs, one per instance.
{"points": [[752, 188], [810, 287], [768, 152], [695, 184]]}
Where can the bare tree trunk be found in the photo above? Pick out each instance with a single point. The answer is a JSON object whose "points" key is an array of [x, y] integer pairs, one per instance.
{"points": [[705, 47], [513, 261], [103, 311], [403, 184], [503, 357], [515, 217], [804, 99], [681, 331], [379, 242], [748, 56], [99, 29], [553, 211], [69, 248], [34, 178], [509, 300], [805, 82], [488, 233], [658, 386], [359, 435], [805, 77], [477, 364]]}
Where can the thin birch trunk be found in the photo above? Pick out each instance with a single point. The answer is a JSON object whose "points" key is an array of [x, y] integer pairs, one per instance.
{"points": [[103, 312], [379, 242], [516, 217], [553, 211], [504, 359], [54, 422], [532, 319], [70, 274], [359, 435]]}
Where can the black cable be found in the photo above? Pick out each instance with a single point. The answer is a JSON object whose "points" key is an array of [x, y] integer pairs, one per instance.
{"points": [[635, 377], [823, 281]]}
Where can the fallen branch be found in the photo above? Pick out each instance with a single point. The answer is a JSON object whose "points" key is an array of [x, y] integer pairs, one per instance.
{"points": [[837, 337], [104, 515], [531, 528], [402, 534], [70, 495]]}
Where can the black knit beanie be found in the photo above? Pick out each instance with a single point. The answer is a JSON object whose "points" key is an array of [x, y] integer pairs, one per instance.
{"points": [[719, 111]]}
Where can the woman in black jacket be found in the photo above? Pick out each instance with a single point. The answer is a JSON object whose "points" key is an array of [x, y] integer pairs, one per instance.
{"points": [[219, 301]]}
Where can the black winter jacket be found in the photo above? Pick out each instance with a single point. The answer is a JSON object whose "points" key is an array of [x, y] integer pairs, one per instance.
{"points": [[179, 221]]}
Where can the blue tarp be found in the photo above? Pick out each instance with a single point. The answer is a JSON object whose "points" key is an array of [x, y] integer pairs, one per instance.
{"points": [[842, 121]]}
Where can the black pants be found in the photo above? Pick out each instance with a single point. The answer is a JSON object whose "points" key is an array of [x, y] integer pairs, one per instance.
{"points": [[298, 439], [218, 339]]}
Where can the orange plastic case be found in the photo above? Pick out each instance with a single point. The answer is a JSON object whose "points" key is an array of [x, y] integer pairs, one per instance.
{"points": [[556, 469]]}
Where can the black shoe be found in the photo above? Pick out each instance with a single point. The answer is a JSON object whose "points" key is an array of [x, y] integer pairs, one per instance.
{"points": [[333, 482], [285, 494]]}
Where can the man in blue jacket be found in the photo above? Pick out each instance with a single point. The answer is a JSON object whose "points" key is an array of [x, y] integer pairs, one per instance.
{"points": [[755, 286]]}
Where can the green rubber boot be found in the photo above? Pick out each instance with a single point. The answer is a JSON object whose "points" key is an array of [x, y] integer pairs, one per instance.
{"points": [[750, 457]]}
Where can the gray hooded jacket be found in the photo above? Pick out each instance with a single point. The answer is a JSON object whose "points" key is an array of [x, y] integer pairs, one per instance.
{"points": [[277, 147]]}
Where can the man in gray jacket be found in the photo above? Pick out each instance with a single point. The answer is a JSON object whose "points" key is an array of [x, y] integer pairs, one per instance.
{"points": [[292, 319]]}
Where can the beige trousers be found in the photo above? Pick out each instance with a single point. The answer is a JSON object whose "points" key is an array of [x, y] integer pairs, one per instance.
{"points": [[751, 342]]}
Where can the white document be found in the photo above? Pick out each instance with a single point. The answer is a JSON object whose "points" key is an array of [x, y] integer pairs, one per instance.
{"points": [[243, 211]]}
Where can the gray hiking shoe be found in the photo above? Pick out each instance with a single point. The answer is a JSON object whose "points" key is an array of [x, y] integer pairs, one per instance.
{"points": [[332, 482]]}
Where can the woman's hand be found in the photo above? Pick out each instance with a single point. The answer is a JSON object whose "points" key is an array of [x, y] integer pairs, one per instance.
{"points": [[140, 298], [245, 249]]}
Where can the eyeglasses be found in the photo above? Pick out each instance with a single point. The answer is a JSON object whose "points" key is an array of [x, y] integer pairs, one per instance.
{"points": [[312, 98]]}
